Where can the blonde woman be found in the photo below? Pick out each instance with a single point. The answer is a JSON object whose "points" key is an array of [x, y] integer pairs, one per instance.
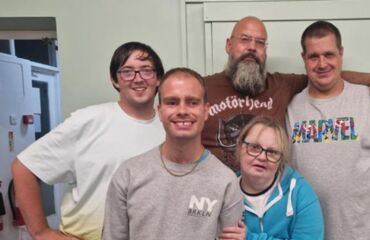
{"points": [[279, 203]]}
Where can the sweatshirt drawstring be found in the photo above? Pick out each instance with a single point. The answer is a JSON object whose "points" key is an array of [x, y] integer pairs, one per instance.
{"points": [[289, 210]]}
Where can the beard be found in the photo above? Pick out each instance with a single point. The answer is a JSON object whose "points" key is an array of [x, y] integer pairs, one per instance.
{"points": [[248, 78]]}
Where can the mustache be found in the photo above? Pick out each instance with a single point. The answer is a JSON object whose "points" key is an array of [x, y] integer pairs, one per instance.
{"points": [[249, 55]]}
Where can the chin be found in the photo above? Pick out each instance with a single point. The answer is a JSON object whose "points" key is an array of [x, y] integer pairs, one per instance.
{"points": [[142, 101], [183, 136]]}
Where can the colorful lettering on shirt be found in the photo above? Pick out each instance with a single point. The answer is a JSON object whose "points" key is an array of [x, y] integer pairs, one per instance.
{"points": [[325, 130]]}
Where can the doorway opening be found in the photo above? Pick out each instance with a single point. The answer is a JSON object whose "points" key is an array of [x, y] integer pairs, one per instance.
{"points": [[29, 85]]}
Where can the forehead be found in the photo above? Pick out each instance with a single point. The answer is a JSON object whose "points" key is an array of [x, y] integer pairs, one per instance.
{"points": [[138, 58], [251, 27], [262, 134], [321, 44], [181, 84]]}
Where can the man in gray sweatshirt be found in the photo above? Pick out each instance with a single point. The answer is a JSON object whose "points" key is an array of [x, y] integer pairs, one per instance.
{"points": [[178, 190], [329, 126]]}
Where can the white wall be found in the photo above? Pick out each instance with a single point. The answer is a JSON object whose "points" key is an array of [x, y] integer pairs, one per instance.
{"points": [[89, 31], [209, 23]]}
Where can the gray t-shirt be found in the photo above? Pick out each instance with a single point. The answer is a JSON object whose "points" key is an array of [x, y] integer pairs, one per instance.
{"points": [[145, 202], [331, 149]]}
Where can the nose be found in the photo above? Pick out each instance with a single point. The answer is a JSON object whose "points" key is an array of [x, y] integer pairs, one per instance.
{"points": [[252, 46], [182, 109], [262, 156], [137, 77], [322, 62]]}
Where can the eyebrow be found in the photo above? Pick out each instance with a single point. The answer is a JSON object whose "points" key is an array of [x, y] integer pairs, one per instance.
{"points": [[146, 65], [170, 98], [276, 148], [193, 98], [187, 98], [315, 54], [248, 35]]}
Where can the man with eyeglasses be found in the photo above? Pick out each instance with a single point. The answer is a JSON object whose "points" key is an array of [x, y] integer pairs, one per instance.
{"points": [[85, 150], [244, 89]]}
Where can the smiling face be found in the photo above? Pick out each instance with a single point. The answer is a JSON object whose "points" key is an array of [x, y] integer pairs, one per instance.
{"points": [[136, 94], [323, 62], [257, 169], [182, 108]]}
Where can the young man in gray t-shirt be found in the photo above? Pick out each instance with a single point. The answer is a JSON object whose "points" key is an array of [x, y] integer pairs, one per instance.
{"points": [[178, 190]]}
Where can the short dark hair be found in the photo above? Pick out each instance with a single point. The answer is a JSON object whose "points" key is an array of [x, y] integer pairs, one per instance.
{"points": [[187, 71], [321, 29], [124, 51]]}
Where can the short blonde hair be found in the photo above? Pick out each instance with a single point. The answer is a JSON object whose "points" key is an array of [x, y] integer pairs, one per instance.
{"points": [[281, 136]]}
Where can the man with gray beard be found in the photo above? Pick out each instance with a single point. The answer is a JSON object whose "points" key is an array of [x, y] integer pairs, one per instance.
{"points": [[247, 78], [245, 89]]}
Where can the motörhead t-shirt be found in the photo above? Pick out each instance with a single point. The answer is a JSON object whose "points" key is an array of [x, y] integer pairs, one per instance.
{"points": [[230, 110]]}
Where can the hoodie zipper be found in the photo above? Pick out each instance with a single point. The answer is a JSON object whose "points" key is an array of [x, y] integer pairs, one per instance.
{"points": [[261, 223]]}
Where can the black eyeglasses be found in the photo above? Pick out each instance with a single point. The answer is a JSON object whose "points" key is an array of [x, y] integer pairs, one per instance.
{"points": [[130, 74], [255, 150]]}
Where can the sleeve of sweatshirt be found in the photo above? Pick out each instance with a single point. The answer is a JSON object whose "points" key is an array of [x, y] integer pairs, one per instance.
{"points": [[116, 221], [232, 209]]}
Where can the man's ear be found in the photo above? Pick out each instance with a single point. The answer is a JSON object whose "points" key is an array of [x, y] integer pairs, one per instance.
{"points": [[228, 45], [159, 111], [115, 84], [206, 108], [341, 51]]}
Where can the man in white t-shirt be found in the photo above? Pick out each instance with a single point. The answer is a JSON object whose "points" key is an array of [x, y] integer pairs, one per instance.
{"points": [[85, 150]]}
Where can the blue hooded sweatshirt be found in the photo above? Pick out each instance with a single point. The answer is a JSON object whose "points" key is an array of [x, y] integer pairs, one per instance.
{"points": [[292, 212]]}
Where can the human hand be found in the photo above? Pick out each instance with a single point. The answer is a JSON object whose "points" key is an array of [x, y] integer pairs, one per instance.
{"points": [[234, 233], [53, 234]]}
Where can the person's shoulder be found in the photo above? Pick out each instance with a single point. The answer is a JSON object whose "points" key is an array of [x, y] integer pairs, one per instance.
{"points": [[215, 75], [286, 77], [220, 168], [93, 114], [214, 78], [290, 172], [96, 114], [140, 161], [301, 185], [358, 88], [299, 98], [108, 106], [134, 167], [95, 110]]}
